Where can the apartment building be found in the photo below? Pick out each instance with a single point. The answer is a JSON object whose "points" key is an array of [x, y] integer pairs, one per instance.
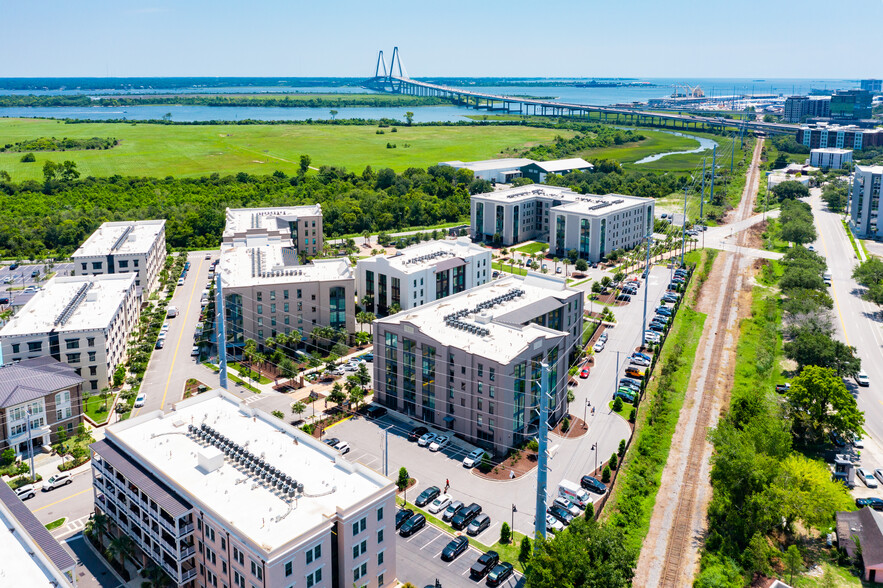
{"points": [[268, 291], [84, 321], [822, 135], [470, 363], [31, 556], [830, 158], [220, 494], [421, 273], [47, 392], [864, 203], [302, 225], [137, 247], [592, 225], [798, 108]]}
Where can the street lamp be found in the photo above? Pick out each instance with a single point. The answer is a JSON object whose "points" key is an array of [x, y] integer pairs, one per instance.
{"points": [[595, 449], [586, 414]]}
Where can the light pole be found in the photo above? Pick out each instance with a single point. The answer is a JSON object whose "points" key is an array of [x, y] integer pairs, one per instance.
{"points": [[586, 414], [766, 196], [595, 449], [30, 445]]}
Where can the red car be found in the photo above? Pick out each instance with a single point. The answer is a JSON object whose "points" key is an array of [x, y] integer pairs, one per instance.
{"points": [[584, 373]]}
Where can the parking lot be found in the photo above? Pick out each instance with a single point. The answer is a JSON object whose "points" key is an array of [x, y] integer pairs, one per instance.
{"points": [[419, 561], [14, 283]]}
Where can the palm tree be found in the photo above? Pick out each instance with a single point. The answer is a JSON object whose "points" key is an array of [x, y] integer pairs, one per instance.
{"points": [[156, 576], [120, 547], [337, 396], [298, 408], [366, 234], [97, 526]]}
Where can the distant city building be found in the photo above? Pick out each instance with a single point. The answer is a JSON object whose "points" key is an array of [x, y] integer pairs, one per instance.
{"points": [[268, 291], [220, 494], [31, 556], [872, 85], [84, 321], [421, 273], [470, 363], [124, 247], [798, 108], [822, 135], [851, 105], [592, 225], [301, 225], [47, 390], [830, 157], [503, 171], [864, 205]]}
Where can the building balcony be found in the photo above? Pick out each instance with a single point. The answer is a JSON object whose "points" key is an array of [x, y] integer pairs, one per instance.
{"points": [[187, 552], [187, 575]]}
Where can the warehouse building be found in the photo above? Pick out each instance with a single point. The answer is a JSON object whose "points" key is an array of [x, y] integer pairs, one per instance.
{"points": [[470, 363], [220, 494], [421, 273], [301, 225], [503, 171], [538, 171]]}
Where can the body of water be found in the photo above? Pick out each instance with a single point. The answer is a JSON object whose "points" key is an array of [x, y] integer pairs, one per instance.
{"points": [[704, 144]]}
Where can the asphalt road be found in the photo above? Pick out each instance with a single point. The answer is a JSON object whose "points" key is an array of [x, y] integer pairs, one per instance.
{"points": [[74, 502]]}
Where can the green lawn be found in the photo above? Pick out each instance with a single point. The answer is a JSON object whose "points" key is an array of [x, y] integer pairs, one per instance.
{"points": [[95, 408], [241, 369], [55, 524], [655, 142], [184, 150], [533, 248], [245, 384], [626, 409], [518, 271]]}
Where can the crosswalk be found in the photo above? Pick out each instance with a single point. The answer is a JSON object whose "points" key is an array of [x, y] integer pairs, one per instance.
{"points": [[70, 528]]}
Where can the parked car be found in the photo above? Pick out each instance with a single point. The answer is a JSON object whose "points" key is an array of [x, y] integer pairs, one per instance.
{"points": [[663, 310], [412, 525], [633, 372], [26, 491], [369, 357], [343, 447], [782, 388], [195, 351], [453, 508], [462, 519], [553, 524], [416, 433], [858, 442], [457, 546], [593, 484], [584, 373], [403, 515], [57, 481], [439, 504], [474, 458], [598, 347], [139, 401], [652, 336], [630, 384], [561, 514], [427, 496], [656, 327], [567, 505], [873, 502], [180, 281], [603, 337], [499, 574], [862, 379], [426, 439], [375, 411], [644, 355], [439, 443], [331, 442], [160, 343], [13, 266], [478, 525], [623, 298], [626, 395], [639, 361], [4, 299], [867, 477], [484, 564], [669, 298]]}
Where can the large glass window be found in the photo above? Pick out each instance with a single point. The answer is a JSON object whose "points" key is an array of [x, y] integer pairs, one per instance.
{"points": [[560, 224], [392, 368], [603, 248], [442, 284], [369, 291], [518, 398], [337, 296], [479, 220], [396, 291], [459, 279], [381, 294], [428, 377], [584, 237], [499, 225], [515, 225], [409, 376]]}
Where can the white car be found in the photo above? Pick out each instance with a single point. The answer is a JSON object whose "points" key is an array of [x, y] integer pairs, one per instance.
{"points": [[862, 379], [139, 401], [426, 439], [867, 477], [26, 491], [343, 447], [57, 481], [639, 361], [439, 504], [603, 337], [858, 442], [652, 336], [879, 473], [598, 347], [474, 458], [567, 505], [180, 281], [195, 351], [439, 443], [553, 524]]}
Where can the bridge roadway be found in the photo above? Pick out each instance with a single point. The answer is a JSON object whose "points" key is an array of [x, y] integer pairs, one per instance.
{"points": [[533, 106]]}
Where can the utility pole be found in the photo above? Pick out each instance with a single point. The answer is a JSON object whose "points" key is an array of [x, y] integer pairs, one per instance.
{"points": [[31, 446], [684, 227], [222, 333], [386, 451], [732, 153], [542, 453], [713, 171], [702, 199], [646, 287]]}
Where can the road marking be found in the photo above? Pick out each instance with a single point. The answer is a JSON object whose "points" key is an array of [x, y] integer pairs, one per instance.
{"points": [[183, 318], [833, 290], [62, 500]]}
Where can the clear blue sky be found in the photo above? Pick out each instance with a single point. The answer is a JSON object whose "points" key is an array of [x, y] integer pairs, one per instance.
{"points": [[641, 38]]}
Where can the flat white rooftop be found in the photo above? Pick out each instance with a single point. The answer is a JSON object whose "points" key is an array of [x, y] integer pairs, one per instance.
{"points": [[72, 303], [490, 164], [500, 335], [564, 164], [528, 192], [331, 482], [429, 253], [272, 219], [121, 238], [589, 205], [870, 169], [273, 263], [833, 150], [21, 565]]}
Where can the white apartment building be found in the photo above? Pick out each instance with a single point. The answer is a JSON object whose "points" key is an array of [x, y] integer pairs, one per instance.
{"points": [[830, 157], [421, 273], [592, 225], [137, 247], [864, 203], [301, 225], [84, 321], [220, 494], [267, 291]]}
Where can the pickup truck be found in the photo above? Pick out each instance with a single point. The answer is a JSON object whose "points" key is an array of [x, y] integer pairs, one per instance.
{"points": [[782, 388]]}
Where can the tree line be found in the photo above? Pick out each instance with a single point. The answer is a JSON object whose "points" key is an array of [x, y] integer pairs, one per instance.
{"points": [[296, 101], [63, 144]]}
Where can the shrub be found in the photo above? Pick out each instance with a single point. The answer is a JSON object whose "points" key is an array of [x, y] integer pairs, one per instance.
{"points": [[614, 461], [590, 511], [505, 534], [605, 474], [532, 445], [278, 414], [617, 404], [633, 415], [525, 551], [403, 479], [28, 158], [485, 465], [565, 424], [622, 447]]}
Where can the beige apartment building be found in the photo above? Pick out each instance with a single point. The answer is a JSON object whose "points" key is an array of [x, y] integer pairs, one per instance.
{"points": [[222, 495]]}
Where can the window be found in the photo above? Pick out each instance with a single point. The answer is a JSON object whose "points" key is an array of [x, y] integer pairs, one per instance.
{"points": [[63, 397], [210, 578], [124, 263], [238, 579], [96, 265], [285, 294], [93, 370], [285, 307], [35, 346], [84, 266], [223, 544], [360, 526], [491, 374], [92, 355], [360, 571], [314, 554], [380, 536], [260, 296], [480, 370], [210, 555], [289, 568], [90, 341], [72, 343], [272, 294], [299, 293], [238, 557], [93, 384], [256, 570], [490, 391], [314, 578], [380, 580], [380, 514], [73, 358], [260, 308], [380, 558], [16, 347]]}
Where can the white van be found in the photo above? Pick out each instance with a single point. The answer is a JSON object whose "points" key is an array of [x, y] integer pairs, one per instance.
{"points": [[827, 278], [172, 312], [574, 492]]}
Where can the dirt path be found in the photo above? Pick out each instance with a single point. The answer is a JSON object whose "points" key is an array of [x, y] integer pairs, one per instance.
{"points": [[670, 552]]}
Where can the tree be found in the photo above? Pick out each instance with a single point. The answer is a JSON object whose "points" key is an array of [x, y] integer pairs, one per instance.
{"points": [[278, 414], [525, 551], [28, 158], [119, 376], [304, 164], [105, 394], [337, 395], [819, 349], [333, 114], [362, 338], [156, 576], [605, 281], [286, 369], [781, 162], [298, 409], [61, 449], [793, 562], [597, 287], [97, 526], [606, 474], [617, 404], [590, 512], [505, 534], [83, 433], [572, 255], [790, 190], [7, 457], [823, 402], [582, 265], [614, 461], [869, 273], [120, 547], [799, 231], [485, 465], [622, 448], [403, 480], [409, 118], [356, 393]]}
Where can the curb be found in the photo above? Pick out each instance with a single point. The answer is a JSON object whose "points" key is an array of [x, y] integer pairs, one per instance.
{"points": [[107, 564]]}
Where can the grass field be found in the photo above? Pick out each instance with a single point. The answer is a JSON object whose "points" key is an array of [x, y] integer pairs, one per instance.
{"points": [[655, 142], [533, 248], [179, 150], [95, 408]]}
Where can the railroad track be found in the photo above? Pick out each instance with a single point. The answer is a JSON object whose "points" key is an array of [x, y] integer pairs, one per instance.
{"points": [[680, 535]]}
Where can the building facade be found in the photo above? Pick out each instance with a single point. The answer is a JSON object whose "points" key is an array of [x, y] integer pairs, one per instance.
{"points": [[470, 363], [84, 321], [820, 136], [864, 203], [47, 392], [267, 291], [301, 225], [871, 85], [137, 247], [421, 273], [538, 171], [798, 108], [503, 171], [830, 158], [592, 225], [248, 501], [851, 105]]}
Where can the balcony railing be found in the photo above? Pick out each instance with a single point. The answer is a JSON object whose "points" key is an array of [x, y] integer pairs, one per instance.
{"points": [[187, 552], [188, 574]]}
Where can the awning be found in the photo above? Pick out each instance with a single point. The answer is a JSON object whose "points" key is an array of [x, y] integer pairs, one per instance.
{"points": [[449, 263], [449, 419]]}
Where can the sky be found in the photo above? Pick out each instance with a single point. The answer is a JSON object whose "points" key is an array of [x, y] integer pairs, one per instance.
{"points": [[609, 38]]}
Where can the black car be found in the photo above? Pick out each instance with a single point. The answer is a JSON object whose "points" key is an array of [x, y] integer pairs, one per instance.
{"points": [[4, 300], [623, 298], [427, 496], [875, 503], [484, 564], [416, 433], [465, 515], [561, 514], [13, 266], [412, 525], [402, 517], [375, 412], [593, 485], [331, 442], [499, 574], [457, 546], [656, 327]]}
